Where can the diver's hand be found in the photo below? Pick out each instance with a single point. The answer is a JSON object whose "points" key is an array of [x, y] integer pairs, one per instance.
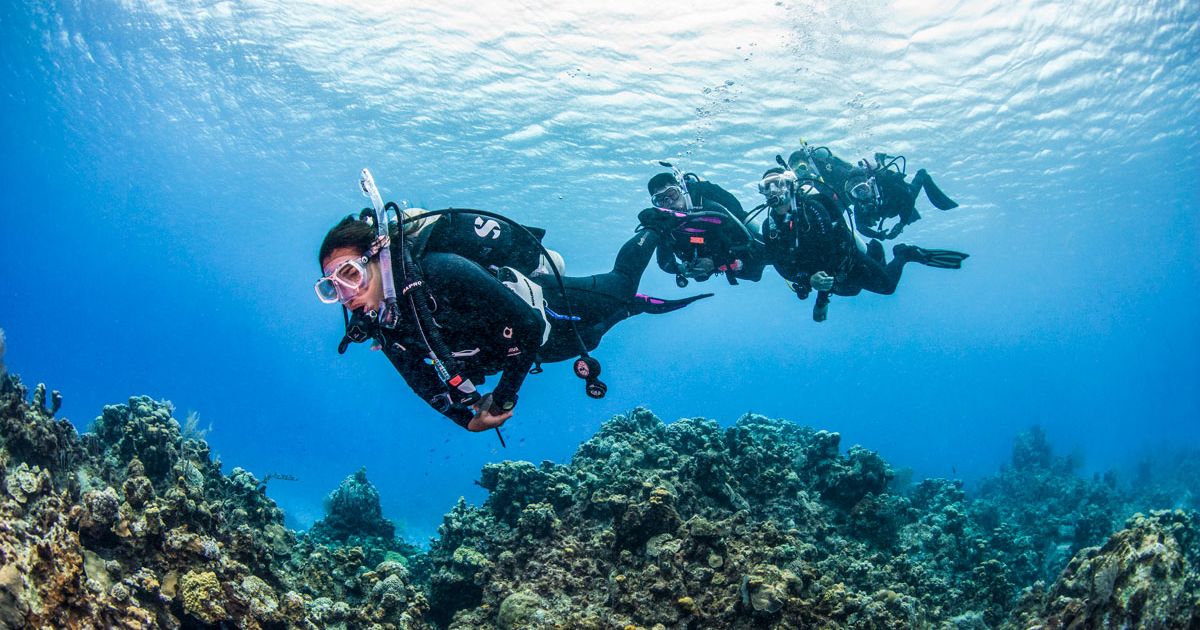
{"points": [[896, 230], [703, 267], [484, 418], [821, 281]]}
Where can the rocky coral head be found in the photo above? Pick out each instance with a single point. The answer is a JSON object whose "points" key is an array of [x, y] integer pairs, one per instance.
{"points": [[353, 509], [143, 429]]}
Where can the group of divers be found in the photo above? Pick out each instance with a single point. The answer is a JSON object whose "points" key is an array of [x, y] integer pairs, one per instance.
{"points": [[455, 295]]}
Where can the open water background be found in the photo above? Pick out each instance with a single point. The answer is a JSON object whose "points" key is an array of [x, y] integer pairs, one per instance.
{"points": [[167, 170]]}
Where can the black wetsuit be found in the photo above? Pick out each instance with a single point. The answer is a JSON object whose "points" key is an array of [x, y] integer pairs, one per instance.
{"points": [[706, 232], [898, 197], [816, 238], [489, 328]]}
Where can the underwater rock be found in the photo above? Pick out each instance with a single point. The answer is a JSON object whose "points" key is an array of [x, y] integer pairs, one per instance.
{"points": [[1146, 575], [353, 510], [523, 610], [765, 589]]}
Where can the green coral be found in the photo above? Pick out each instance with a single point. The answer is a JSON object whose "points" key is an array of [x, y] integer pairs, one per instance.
{"points": [[202, 596]]}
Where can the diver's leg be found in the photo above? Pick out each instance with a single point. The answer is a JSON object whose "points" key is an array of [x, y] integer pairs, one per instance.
{"points": [[634, 256], [922, 180], [867, 273]]}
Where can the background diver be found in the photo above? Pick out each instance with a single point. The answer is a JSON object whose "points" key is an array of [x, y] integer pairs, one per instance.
{"points": [[876, 192], [809, 241], [703, 228], [462, 322]]}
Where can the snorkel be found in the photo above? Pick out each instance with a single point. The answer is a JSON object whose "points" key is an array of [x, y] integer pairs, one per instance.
{"points": [[389, 310], [795, 210], [681, 179]]}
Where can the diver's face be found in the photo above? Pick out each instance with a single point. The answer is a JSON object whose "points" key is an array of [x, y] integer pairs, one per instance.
{"points": [[367, 298], [669, 197]]}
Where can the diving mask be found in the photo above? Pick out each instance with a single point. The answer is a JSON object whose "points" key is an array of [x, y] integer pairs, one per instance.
{"points": [[666, 197], [862, 191], [344, 282], [777, 187], [350, 277]]}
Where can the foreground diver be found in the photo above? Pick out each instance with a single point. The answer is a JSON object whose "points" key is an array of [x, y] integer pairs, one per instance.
{"points": [[703, 229], [460, 322], [809, 241], [876, 192]]}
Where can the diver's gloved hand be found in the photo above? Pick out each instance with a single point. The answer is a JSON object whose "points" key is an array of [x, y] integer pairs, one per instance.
{"points": [[484, 418], [702, 268], [659, 219], [821, 281], [895, 231]]}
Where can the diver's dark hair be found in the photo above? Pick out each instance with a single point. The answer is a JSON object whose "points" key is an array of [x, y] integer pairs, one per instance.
{"points": [[349, 232], [772, 171], [662, 180]]}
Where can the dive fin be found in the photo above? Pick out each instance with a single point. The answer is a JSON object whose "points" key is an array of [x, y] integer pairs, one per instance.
{"points": [[940, 258], [935, 194], [657, 306]]}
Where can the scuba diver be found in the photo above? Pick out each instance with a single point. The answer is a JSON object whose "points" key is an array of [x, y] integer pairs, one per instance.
{"points": [[703, 229], [809, 240], [458, 309], [876, 192]]}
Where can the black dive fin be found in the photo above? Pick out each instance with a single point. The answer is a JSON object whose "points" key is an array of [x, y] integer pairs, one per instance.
{"points": [[935, 194], [940, 258], [657, 306]]}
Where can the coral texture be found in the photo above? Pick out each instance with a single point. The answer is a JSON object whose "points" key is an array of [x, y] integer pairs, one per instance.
{"points": [[765, 524], [133, 525]]}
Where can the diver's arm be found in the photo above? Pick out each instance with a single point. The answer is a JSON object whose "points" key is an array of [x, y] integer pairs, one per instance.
{"points": [[665, 257], [425, 384], [526, 325], [503, 318]]}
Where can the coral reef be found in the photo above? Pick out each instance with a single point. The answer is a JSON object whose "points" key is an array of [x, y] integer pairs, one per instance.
{"points": [[133, 525], [649, 526], [766, 524]]}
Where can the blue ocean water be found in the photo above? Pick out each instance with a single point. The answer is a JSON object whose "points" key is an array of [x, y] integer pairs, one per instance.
{"points": [[168, 170]]}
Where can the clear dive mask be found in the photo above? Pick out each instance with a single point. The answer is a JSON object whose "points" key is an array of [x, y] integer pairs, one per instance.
{"points": [[862, 191], [777, 187], [666, 197], [350, 277]]}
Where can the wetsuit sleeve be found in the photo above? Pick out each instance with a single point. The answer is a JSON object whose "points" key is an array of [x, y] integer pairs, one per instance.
{"points": [[664, 256], [502, 319], [713, 192], [425, 383]]}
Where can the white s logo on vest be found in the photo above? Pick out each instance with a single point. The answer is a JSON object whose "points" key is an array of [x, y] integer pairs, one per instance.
{"points": [[484, 228]]}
